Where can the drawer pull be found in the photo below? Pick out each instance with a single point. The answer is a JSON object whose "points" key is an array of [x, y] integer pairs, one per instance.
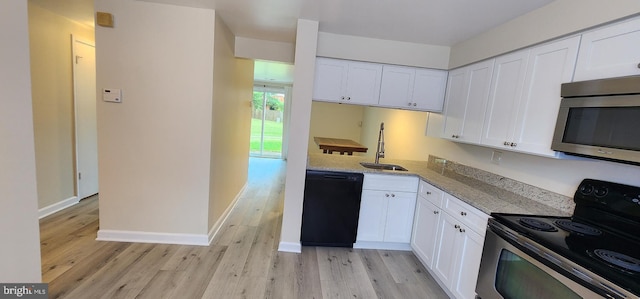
{"points": [[428, 192], [436, 212], [456, 226], [463, 213], [462, 230]]}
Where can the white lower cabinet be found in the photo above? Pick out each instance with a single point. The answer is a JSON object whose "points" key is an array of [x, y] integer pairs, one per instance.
{"points": [[457, 257], [448, 238], [386, 212]]}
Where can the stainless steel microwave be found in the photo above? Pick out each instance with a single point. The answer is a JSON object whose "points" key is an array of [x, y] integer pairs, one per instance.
{"points": [[600, 119]]}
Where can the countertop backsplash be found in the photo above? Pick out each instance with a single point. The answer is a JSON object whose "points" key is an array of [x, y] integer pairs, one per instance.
{"points": [[461, 172]]}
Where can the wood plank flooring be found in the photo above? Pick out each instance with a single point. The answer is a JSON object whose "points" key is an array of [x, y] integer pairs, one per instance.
{"points": [[242, 262]]}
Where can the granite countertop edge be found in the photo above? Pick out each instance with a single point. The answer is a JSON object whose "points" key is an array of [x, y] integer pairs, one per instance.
{"points": [[484, 197]]}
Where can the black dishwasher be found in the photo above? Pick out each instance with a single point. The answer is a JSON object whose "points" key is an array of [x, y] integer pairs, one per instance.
{"points": [[331, 208]]}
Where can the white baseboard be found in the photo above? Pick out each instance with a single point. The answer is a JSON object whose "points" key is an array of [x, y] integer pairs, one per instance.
{"points": [[151, 237], [295, 247], [58, 206], [216, 226], [382, 245]]}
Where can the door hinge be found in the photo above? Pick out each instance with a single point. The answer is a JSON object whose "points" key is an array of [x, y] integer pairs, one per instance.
{"points": [[77, 58]]}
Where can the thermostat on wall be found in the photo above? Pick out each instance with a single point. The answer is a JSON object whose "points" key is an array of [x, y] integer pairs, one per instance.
{"points": [[112, 95]]}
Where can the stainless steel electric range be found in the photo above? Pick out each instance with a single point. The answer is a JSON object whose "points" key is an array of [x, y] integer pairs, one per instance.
{"points": [[593, 254]]}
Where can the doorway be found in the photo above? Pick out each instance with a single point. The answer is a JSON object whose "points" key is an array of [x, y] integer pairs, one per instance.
{"points": [[84, 89], [267, 121]]}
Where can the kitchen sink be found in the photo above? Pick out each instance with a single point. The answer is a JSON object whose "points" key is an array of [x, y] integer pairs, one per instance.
{"points": [[383, 166]]}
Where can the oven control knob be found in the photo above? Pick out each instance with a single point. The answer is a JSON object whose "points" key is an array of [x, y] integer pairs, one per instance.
{"points": [[601, 191], [586, 189]]}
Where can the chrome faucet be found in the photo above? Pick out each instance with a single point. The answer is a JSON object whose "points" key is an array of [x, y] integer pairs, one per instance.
{"points": [[380, 148]]}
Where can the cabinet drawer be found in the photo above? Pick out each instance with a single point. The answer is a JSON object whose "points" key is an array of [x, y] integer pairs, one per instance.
{"points": [[390, 182], [431, 193], [466, 214]]}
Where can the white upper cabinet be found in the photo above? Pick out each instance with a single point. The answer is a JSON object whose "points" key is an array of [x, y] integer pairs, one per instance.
{"points": [[549, 66], [374, 84], [504, 97], [412, 88], [525, 97], [467, 95], [350, 82], [611, 51]]}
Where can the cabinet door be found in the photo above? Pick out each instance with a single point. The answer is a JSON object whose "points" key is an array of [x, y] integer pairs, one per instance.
{"points": [[428, 90], [549, 66], [444, 261], [373, 216], [467, 95], [479, 83], [425, 230], [504, 97], [469, 252], [455, 103], [363, 83], [400, 212], [612, 51], [397, 85], [330, 79]]}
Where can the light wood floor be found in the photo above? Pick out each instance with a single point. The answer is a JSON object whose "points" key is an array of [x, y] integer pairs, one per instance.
{"points": [[242, 262]]}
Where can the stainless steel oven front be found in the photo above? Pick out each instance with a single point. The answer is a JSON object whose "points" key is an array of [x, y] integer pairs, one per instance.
{"points": [[507, 271]]}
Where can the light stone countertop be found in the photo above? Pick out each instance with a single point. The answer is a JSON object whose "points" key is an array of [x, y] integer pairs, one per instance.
{"points": [[485, 197]]}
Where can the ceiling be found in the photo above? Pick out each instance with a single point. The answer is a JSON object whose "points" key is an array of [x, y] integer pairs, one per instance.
{"points": [[432, 22]]}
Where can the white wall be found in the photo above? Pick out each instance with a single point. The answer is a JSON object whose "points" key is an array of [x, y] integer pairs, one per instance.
{"points": [[264, 50], [155, 147], [335, 121], [231, 123], [20, 250], [306, 44], [560, 17], [382, 51]]}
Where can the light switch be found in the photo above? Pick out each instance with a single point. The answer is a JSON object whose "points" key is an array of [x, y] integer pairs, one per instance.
{"points": [[112, 95]]}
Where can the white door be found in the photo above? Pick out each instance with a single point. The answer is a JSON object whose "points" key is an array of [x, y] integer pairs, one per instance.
{"points": [[84, 82]]}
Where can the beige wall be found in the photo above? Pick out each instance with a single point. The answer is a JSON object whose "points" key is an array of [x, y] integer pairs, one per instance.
{"points": [[336, 121], [20, 250], [403, 133], [231, 123], [155, 147], [560, 17], [52, 92], [382, 51]]}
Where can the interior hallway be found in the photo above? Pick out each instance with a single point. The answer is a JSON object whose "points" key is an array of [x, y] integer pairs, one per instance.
{"points": [[242, 261]]}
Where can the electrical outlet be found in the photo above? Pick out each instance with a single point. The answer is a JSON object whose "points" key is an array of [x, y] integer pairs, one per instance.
{"points": [[496, 157]]}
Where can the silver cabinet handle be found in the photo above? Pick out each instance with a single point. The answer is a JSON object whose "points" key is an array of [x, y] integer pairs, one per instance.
{"points": [[393, 195], [414, 104], [386, 195], [348, 98], [342, 98], [513, 144], [506, 143], [428, 192], [436, 212], [462, 230], [463, 213], [639, 65], [409, 104], [456, 226]]}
